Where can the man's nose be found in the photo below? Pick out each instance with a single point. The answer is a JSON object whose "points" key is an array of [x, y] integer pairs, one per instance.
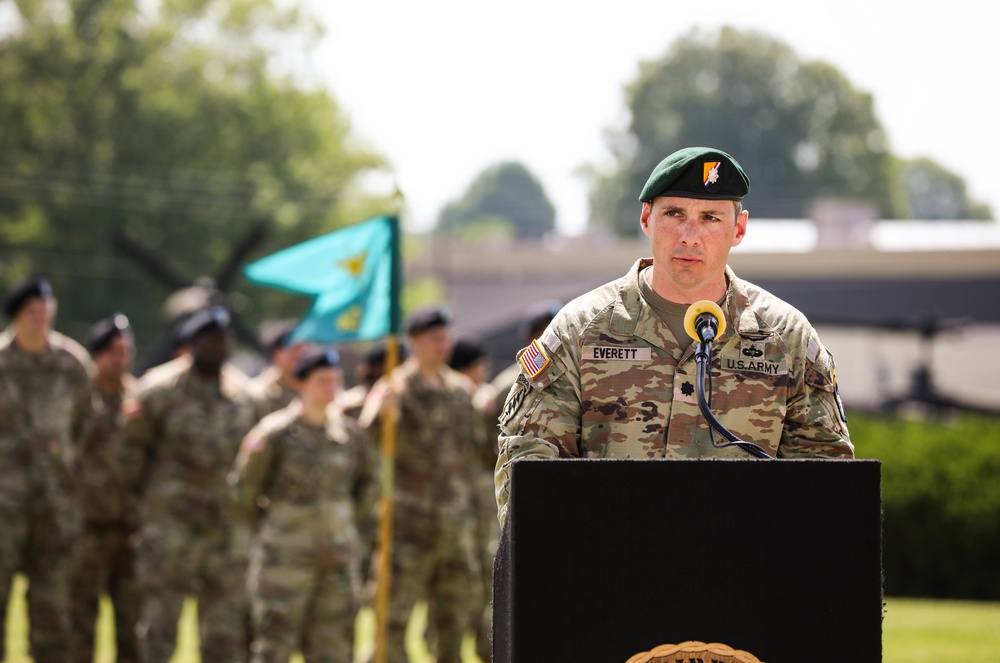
{"points": [[690, 233]]}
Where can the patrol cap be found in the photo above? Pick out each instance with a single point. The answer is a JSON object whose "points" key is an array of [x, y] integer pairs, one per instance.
{"points": [[466, 352], [697, 172], [104, 331], [216, 316], [313, 358], [428, 318], [23, 291]]}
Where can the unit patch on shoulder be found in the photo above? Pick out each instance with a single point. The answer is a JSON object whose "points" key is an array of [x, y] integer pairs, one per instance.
{"points": [[534, 360]]}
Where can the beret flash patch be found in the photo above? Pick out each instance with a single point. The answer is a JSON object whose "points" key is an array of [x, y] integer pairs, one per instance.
{"points": [[711, 176]]}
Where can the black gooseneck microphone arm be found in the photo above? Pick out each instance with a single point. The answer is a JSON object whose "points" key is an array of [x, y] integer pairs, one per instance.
{"points": [[703, 358]]}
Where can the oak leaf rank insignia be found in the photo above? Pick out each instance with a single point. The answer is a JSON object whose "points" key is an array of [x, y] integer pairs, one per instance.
{"points": [[711, 172]]}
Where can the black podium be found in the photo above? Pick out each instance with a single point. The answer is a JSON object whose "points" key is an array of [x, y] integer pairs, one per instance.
{"points": [[602, 560]]}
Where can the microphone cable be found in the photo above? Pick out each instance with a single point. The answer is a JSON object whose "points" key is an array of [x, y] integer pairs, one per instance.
{"points": [[705, 405]]}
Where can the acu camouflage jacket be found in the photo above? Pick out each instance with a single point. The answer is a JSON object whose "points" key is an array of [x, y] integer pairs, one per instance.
{"points": [[44, 404], [619, 385]]}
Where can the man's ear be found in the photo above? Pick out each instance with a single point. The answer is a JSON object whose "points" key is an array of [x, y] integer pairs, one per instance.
{"points": [[741, 227], [644, 218]]}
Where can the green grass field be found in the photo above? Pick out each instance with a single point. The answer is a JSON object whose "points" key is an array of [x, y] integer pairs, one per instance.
{"points": [[914, 631]]}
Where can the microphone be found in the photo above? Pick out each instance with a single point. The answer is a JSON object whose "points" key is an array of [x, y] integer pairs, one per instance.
{"points": [[704, 321]]}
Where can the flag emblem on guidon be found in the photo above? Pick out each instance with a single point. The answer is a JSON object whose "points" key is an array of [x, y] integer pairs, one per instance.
{"points": [[353, 275], [534, 360], [711, 172]]}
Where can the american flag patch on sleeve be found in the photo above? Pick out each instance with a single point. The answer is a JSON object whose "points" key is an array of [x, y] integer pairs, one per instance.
{"points": [[534, 360]]}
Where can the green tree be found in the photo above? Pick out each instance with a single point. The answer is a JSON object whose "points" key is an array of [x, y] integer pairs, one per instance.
{"points": [[171, 123], [799, 129], [505, 190], [932, 192]]}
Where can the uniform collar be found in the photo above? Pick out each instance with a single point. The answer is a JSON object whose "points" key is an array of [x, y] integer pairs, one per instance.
{"points": [[633, 317], [738, 307]]}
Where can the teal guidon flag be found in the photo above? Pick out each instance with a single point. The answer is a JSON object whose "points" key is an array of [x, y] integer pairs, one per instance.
{"points": [[354, 275]]}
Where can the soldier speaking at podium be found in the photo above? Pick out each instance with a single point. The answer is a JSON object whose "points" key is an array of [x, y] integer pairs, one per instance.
{"points": [[613, 375]]}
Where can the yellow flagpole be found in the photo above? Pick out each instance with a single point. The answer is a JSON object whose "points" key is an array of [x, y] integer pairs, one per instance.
{"points": [[384, 578]]}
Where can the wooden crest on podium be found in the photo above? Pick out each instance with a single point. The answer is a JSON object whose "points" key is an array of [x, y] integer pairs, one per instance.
{"points": [[719, 653]]}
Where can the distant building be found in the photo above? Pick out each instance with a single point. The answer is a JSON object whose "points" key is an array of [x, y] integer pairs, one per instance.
{"points": [[870, 298]]}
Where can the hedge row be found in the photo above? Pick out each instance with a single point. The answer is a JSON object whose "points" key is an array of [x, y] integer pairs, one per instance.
{"points": [[941, 503]]}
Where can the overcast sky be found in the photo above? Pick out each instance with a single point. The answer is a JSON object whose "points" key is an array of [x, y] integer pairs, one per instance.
{"points": [[444, 88]]}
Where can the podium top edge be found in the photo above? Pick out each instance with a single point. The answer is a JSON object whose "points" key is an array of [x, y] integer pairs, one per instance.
{"points": [[730, 461]]}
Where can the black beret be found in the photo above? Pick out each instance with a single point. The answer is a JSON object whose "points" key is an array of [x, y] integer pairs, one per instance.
{"points": [[378, 352], [23, 291], [103, 331], [217, 317], [428, 318], [279, 337], [313, 358], [465, 353], [697, 172]]}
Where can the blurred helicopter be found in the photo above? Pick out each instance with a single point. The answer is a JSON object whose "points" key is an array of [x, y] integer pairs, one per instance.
{"points": [[922, 393], [189, 295]]}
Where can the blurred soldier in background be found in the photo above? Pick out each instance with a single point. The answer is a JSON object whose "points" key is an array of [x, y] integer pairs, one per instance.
{"points": [[104, 557], [44, 404], [182, 432], [433, 549], [274, 388], [368, 372], [536, 318], [469, 358], [305, 479]]}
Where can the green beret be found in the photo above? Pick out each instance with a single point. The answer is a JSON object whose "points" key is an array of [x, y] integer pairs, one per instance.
{"points": [[697, 172]]}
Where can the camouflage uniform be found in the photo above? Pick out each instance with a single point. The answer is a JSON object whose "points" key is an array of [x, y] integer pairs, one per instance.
{"points": [[433, 549], [314, 491], [181, 437], [270, 392], [489, 398], [352, 400], [44, 403], [486, 401], [772, 384], [104, 556]]}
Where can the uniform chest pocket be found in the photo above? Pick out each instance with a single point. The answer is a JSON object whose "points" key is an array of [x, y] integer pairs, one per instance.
{"points": [[187, 423], [756, 384], [618, 391], [11, 411]]}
